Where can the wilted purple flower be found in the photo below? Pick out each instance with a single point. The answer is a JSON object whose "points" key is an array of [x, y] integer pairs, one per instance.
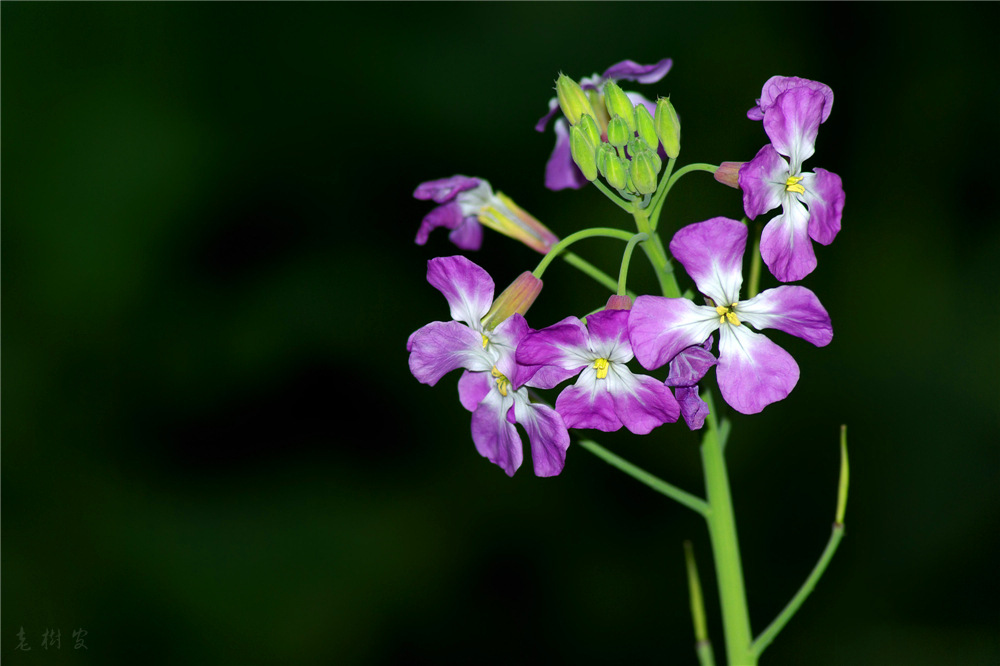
{"points": [[493, 384], [686, 370], [560, 171], [811, 203], [606, 395], [752, 371], [467, 204]]}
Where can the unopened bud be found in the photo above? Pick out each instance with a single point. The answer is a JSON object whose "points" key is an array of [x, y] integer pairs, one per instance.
{"points": [[618, 104], [603, 151], [618, 132], [591, 129], [668, 127], [644, 124], [572, 100], [616, 172], [617, 302], [582, 151], [643, 171], [728, 173], [518, 297]]}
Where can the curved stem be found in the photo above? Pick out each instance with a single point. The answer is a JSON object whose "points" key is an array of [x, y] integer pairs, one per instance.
{"points": [[626, 258], [654, 214], [673, 492], [607, 232], [591, 270], [657, 256], [624, 205]]}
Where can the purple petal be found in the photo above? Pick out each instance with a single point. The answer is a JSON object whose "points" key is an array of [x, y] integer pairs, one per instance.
{"points": [[712, 254], [467, 287], [628, 70], [495, 437], [505, 339], [449, 216], [586, 406], [468, 235], [473, 387], [561, 172], [792, 309], [779, 84], [544, 120], [443, 346], [785, 246], [762, 180], [642, 402], [445, 189], [609, 334], [693, 408], [564, 345], [659, 328], [792, 124], [825, 197], [753, 372], [689, 366], [547, 434]]}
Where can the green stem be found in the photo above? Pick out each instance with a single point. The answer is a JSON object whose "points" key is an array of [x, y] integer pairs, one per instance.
{"points": [[607, 232], [725, 547], [591, 270], [702, 646], [786, 614], [755, 262], [673, 492], [661, 192], [626, 258], [657, 256], [618, 201]]}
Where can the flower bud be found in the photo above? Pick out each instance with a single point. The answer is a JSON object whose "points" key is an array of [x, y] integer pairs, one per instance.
{"points": [[728, 173], [616, 172], [618, 104], [518, 297], [572, 100], [582, 151], [618, 132], [668, 127], [617, 302], [591, 129], [603, 151], [644, 124], [643, 172]]}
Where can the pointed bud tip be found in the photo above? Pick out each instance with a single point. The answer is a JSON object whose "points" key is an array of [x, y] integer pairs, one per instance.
{"points": [[728, 173]]}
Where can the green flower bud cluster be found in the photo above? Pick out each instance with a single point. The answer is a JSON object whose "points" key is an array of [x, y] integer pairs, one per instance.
{"points": [[622, 144]]}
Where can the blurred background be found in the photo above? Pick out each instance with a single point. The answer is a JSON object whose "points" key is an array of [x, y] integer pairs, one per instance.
{"points": [[213, 450]]}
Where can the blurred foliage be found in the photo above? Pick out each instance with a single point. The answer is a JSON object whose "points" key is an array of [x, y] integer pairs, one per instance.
{"points": [[214, 452]]}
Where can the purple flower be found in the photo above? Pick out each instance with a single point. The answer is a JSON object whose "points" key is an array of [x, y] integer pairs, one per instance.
{"points": [[493, 384], [560, 171], [606, 395], [467, 204], [752, 371], [811, 203]]}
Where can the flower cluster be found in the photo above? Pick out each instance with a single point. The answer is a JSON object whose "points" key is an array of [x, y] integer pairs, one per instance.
{"points": [[607, 357]]}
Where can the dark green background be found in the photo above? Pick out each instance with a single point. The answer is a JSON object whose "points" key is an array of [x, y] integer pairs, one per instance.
{"points": [[213, 451]]}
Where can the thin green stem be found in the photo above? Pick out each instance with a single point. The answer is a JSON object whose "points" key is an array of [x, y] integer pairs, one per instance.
{"points": [[768, 635], [663, 190], [606, 232], [673, 492], [754, 284], [725, 547], [657, 256], [618, 201], [654, 204], [591, 270], [702, 646], [626, 258]]}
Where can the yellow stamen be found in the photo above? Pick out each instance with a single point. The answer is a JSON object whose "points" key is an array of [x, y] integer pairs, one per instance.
{"points": [[726, 313], [792, 185], [601, 365], [486, 341], [502, 382]]}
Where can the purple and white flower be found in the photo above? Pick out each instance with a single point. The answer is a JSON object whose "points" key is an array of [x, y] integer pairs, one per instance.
{"points": [[560, 171], [468, 204], [752, 371], [607, 395], [493, 386], [792, 110]]}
